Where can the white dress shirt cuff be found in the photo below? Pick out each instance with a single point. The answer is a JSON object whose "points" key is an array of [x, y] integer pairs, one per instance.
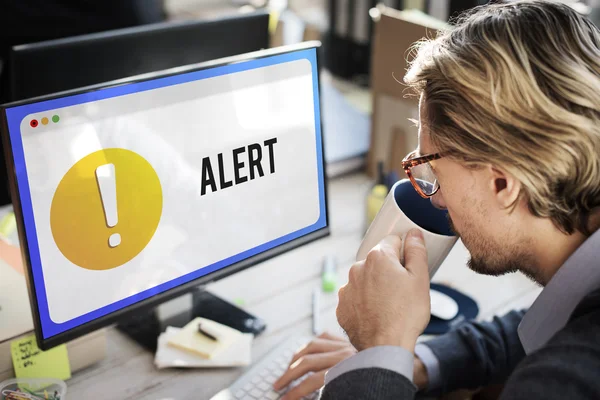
{"points": [[393, 358], [432, 365]]}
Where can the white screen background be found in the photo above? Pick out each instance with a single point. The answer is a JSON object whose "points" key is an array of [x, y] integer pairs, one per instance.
{"points": [[173, 128]]}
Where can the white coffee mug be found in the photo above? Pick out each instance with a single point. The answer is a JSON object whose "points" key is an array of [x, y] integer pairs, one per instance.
{"points": [[403, 210]]}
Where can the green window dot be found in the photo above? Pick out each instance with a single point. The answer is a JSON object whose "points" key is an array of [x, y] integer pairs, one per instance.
{"points": [[55, 118]]}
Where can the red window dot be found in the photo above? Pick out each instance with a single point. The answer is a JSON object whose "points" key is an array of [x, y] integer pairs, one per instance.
{"points": [[33, 123]]}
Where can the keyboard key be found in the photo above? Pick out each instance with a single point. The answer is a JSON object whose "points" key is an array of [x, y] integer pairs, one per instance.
{"points": [[272, 395], [259, 384], [273, 367]]}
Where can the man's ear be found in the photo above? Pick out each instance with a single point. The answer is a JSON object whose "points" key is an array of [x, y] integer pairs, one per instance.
{"points": [[505, 187]]}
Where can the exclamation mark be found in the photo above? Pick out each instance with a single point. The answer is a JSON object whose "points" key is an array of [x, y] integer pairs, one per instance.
{"points": [[105, 175]]}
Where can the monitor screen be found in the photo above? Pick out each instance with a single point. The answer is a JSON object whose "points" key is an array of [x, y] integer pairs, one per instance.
{"points": [[132, 191]]}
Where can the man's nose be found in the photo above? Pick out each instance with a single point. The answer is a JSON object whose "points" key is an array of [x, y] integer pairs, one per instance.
{"points": [[438, 200]]}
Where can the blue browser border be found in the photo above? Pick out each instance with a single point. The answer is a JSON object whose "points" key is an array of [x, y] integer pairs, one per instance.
{"points": [[15, 116]]}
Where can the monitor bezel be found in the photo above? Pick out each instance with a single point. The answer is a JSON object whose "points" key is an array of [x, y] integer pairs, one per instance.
{"points": [[153, 301], [20, 53]]}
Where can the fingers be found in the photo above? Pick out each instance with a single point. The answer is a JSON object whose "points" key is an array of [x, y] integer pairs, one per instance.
{"points": [[319, 346], [415, 254], [390, 245], [306, 387], [311, 363]]}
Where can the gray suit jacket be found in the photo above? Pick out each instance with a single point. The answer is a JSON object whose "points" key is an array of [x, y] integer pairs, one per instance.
{"points": [[478, 354]]}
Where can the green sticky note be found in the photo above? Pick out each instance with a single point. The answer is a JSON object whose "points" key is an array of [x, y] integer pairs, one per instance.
{"points": [[31, 362]]}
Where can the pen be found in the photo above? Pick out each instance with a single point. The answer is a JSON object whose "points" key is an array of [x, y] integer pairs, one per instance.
{"points": [[315, 311], [207, 332]]}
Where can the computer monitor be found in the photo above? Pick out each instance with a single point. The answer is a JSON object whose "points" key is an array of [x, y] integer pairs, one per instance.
{"points": [[57, 65], [130, 194]]}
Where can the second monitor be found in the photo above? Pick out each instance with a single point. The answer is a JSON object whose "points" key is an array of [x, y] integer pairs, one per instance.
{"points": [[63, 64], [55, 66]]}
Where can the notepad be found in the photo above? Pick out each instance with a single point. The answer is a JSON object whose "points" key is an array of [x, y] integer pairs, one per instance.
{"points": [[189, 339], [31, 362], [239, 353]]}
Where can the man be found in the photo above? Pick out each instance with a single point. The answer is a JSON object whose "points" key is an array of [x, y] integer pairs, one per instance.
{"points": [[510, 111]]}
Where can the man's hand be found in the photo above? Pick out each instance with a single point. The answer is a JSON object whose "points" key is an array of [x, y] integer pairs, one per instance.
{"points": [[321, 354], [385, 303]]}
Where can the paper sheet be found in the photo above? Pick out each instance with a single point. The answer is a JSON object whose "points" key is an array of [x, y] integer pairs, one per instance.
{"points": [[237, 354], [188, 338]]}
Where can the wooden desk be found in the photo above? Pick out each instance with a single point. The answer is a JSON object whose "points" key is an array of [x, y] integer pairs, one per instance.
{"points": [[279, 291]]}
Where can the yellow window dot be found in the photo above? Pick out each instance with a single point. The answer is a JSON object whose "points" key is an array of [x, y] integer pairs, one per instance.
{"points": [[44, 121]]}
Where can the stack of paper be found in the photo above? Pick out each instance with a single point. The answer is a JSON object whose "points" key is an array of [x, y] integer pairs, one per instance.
{"points": [[186, 347]]}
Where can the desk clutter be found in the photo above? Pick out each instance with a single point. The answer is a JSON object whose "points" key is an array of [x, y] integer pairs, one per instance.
{"points": [[33, 389], [203, 343]]}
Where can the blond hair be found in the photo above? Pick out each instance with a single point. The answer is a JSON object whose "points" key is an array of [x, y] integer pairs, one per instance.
{"points": [[517, 86]]}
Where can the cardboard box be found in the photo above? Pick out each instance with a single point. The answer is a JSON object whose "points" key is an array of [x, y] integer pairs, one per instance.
{"points": [[392, 134]]}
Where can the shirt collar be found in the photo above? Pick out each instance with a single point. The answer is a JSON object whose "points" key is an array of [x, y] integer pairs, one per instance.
{"points": [[550, 312]]}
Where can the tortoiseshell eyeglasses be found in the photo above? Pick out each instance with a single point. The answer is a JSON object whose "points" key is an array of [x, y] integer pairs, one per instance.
{"points": [[421, 173]]}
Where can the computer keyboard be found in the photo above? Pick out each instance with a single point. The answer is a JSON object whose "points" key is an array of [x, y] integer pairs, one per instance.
{"points": [[257, 382]]}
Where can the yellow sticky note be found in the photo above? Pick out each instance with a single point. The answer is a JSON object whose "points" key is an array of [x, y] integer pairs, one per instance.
{"points": [[273, 21], [8, 224], [31, 362]]}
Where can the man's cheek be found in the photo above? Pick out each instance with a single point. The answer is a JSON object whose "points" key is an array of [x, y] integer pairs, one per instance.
{"points": [[451, 224]]}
